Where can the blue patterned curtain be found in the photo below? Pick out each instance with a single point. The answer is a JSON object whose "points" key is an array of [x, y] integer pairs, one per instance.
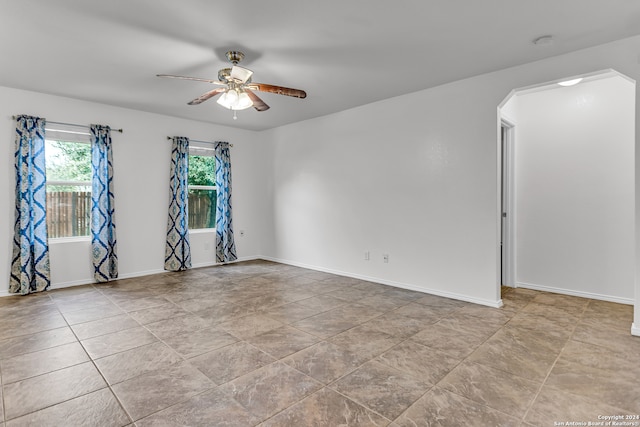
{"points": [[103, 227], [177, 253], [225, 246], [30, 261]]}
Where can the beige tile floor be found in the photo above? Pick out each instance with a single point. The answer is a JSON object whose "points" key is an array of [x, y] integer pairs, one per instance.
{"points": [[259, 343]]}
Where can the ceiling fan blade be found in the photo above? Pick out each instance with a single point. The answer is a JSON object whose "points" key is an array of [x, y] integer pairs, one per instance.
{"points": [[205, 96], [241, 74], [280, 90], [258, 103], [171, 76]]}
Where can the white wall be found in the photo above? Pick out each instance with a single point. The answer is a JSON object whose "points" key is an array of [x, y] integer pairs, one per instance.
{"points": [[141, 176], [400, 177], [574, 196], [414, 176]]}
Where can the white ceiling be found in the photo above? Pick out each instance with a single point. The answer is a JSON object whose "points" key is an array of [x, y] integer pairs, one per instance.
{"points": [[343, 53]]}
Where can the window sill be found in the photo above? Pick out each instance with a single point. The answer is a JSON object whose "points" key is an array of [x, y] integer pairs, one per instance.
{"points": [[58, 240], [202, 230]]}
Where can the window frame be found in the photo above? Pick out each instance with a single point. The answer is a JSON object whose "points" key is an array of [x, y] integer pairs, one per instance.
{"points": [[200, 151], [76, 138]]}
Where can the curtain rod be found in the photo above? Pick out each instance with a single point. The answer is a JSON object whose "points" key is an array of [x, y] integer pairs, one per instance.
{"points": [[195, 140], [70, 124]]}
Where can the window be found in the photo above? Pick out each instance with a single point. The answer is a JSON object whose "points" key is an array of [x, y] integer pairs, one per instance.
{"points": [[202, 188], [68, 164]]}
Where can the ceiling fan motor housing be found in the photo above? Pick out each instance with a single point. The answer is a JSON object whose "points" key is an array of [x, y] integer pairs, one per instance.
{"points": [[235, 56], [224, 74]]}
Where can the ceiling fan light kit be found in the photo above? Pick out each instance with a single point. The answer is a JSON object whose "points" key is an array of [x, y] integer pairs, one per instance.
{"points": [[237, 90], [234, 99]]}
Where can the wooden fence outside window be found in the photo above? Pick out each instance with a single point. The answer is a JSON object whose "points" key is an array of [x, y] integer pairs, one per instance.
{"points": [[69, 212], [202, 209]]}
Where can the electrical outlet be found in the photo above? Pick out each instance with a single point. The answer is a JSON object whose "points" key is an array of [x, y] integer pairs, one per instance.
{"points": [[367, 256], [385, 258]]}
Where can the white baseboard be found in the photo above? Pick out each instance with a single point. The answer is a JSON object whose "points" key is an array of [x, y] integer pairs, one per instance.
{"points": [[204, 264], [141, 273], [82, 282], [635, 330], [411, 287], [590, 295], [63, 285], [5, 292], [213, 263]]}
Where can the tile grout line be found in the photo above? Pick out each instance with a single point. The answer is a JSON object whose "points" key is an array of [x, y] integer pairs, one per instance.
{"points": [[435, 384], [96, 366], [322, 339], [215, 385], [56, 370], [461, 361], [535, 397], [325, 386], [410, 301], [133, 422], [367, 361]]}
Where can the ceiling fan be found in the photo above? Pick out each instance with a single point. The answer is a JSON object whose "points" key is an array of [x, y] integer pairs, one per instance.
{"points": [[236, 88]]}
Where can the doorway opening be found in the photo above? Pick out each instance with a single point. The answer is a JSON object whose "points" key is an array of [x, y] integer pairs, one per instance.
{"points": [[566, 182]]}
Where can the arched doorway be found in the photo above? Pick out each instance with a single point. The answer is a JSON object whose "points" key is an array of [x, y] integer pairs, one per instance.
{"points": [[567, 187]]}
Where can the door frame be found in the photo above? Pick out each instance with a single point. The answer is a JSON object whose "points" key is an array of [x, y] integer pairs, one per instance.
{"points": [[507, 196]]}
